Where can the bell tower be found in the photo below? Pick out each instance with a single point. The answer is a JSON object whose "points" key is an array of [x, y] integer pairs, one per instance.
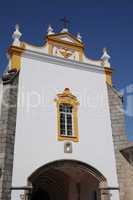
{"points": [[57, 128]]}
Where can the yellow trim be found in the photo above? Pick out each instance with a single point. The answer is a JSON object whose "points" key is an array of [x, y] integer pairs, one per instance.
{"points": [[81, 56], [66, 53], [15, 55], [16, 60], [68, 46], [62, 43], [50, 49], [54, 40], [69, 98], [108, 74], [55, 37]]}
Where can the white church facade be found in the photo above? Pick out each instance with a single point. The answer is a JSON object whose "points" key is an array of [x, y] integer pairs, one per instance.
{"points": [[62, 129]]}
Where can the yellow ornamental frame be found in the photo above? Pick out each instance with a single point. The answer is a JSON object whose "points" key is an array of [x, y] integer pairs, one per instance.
{"points": [[68, 98]]}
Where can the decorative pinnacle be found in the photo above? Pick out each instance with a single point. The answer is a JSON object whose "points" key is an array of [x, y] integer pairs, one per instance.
{"points": [[50, 30], [79, 37], [105, 58], [16, 36], [66, 90], [105, 55], [17, 27]]}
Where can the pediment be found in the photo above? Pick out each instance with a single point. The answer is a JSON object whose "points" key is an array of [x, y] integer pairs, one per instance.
{"points": [[66, 38]]}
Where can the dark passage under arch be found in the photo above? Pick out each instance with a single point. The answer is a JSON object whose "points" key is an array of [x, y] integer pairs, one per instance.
{"points": [[66, 179], [40, 194]]}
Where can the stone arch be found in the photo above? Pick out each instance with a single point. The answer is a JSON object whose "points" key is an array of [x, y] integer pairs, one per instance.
{"points": [[65, 179]]}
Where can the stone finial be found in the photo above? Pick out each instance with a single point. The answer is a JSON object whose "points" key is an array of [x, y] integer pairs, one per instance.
{"points": [[79, 37], [105, 58], [16, 36], [66, 91], [50, 30]]}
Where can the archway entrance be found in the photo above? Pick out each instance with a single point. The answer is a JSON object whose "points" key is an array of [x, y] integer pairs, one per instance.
{"points": [[40, 194], [66, 179]]}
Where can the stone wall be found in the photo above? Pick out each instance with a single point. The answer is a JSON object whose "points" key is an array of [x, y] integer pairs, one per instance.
{"points": [[124, 169], [7, 135]]}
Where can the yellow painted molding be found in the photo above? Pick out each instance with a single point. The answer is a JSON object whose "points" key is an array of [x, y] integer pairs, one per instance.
{"points": [[55, 37], [68, 98], [108, 74], [50, 49], [77, 46], [68, 138], [66, 53], [81, 56], [62, 43], [15, 56], [66, 45]]}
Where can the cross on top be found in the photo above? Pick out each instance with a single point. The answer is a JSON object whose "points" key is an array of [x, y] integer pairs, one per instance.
{"points": [[66, 22]]}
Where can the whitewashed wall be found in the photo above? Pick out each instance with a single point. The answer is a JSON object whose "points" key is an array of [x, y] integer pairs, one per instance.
{"points": [[36, 131]]}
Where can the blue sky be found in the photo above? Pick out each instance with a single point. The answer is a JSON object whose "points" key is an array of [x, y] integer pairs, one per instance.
{"points": [[102, 23]]}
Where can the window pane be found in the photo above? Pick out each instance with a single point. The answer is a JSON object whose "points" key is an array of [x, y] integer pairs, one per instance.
{"points": [[69, 132], [62, 108], [69, 109], [66, 108], [62, 124], [62, 115], [69, 124], [69, 119], [62, 132], [65, 119]]}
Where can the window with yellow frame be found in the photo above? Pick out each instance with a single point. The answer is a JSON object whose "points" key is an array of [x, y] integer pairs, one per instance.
{"points": [[67, 116]]}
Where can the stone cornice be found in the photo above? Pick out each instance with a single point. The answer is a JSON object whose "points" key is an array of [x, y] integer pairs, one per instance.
{"points": [[61, 61]]}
